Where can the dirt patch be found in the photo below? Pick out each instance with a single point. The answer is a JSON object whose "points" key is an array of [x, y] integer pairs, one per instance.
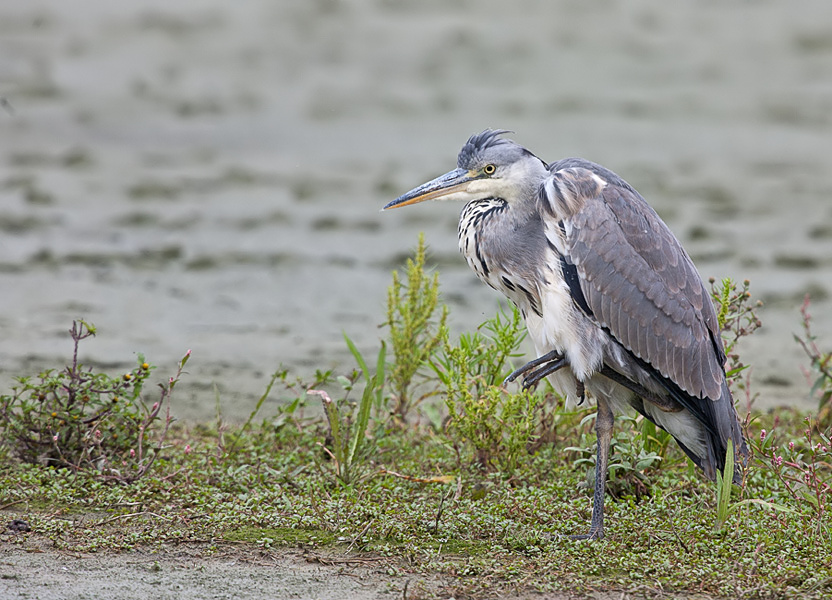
{"points": [[186, 574]]}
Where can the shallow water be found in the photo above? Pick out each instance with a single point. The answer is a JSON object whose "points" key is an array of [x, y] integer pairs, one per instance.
{"points": [[208, 175]]}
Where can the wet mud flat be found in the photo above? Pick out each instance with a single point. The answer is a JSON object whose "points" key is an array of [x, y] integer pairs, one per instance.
{"points": [[186, 575], [208, 176]]}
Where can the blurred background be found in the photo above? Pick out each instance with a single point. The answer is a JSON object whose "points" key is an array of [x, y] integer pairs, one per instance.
{"points": [[207, 175]]}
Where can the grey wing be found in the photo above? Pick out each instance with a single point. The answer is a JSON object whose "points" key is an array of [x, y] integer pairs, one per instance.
{"points": [[637, 279]]}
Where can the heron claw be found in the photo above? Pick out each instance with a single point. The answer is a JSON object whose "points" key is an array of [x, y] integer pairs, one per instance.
{"points": [[551, 362]]}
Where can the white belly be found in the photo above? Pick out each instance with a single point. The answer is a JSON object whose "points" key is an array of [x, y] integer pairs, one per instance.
{"points": [[565, 329]]}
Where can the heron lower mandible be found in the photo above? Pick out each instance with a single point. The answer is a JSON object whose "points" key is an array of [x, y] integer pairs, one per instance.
{"points": [[605, 289]]}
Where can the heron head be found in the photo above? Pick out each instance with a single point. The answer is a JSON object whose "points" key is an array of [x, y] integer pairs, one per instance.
{"points": [[488, 166]]}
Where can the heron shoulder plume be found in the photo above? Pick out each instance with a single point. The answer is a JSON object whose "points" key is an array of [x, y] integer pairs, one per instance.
{"points": [[564, 193], [613, 304]]}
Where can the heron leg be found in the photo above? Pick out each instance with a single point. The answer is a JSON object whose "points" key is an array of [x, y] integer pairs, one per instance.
{"points": [[551, 361], [603, 428]]}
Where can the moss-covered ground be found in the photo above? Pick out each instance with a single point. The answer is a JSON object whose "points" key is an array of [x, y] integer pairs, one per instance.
{"points": [[419, 506]]}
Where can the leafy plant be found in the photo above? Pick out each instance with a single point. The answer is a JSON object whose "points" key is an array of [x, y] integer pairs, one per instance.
{"points": [[724, 484], [87, 421], [415, 330], [737, 319], [498, 424], [654, 439], [634, 451], [803, 466], [821, 363], [347, 437], [290, 412]]}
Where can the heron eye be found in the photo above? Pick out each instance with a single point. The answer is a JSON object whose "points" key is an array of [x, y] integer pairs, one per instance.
{"points": [[489, 169]]}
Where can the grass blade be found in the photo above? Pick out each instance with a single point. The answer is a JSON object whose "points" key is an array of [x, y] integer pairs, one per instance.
{"points": [[724, 481]]}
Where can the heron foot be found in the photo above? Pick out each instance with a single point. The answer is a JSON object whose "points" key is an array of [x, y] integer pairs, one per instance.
{"points": [[592, 535], [596, 531], [535, 370]]}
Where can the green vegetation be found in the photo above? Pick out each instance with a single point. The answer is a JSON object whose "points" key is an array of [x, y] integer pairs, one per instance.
{"points": [[86, 421], [347, 439], [495, 423], [636, 450], [481, 493], [415, 332], [821, 363], [723, 487]]}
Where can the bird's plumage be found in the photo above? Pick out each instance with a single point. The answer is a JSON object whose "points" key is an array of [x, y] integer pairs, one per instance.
{"points": [[641, 286], [640, 283], [602, 282]]}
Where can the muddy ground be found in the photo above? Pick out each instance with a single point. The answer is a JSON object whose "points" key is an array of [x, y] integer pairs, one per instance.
{"points": [[187, 575], [207, 175], [233, 575]]}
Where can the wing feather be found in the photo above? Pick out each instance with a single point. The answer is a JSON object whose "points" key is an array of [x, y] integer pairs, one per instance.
{"points": [[641, 284]]}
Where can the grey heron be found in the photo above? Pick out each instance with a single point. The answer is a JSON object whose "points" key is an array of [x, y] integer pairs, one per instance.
{"points": [[611, 300]]}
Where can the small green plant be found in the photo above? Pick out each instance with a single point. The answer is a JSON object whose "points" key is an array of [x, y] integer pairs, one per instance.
{"points": [[86, 421], [346, 442], [803, 466], [415, 330], [654, 439], [724, 484], [290, 412], [737, 319], [498, 424], [821, 363], [635, 451]]}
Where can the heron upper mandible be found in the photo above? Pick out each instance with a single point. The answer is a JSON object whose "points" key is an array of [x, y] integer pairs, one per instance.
{"points": [[605, 289]]}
